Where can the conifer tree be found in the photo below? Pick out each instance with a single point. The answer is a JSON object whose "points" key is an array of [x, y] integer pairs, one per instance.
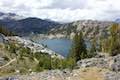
{"points": [[78, 51], [115, 38]]}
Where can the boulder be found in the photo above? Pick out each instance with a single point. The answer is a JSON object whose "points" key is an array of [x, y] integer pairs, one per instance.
{"points": [[92, 62], [112, 76], [116, 64]]}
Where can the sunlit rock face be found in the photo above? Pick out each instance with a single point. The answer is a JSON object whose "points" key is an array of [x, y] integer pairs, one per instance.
{"points": [[88, 27]]}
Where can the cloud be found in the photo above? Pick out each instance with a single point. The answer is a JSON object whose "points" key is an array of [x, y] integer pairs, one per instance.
{"points": [[77, 4], [64, 10]]}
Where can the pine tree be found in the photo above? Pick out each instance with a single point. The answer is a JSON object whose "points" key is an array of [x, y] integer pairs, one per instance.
{"points": [[93, 48], [114, 39], [78, 51]]}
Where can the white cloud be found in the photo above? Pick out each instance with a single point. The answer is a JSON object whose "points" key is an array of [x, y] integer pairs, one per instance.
{"points": [[64, 10]]}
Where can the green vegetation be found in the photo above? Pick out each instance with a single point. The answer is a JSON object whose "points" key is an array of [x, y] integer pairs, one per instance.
{"points": [[45, 62], [93, 49], [115, 39], [111, 44], [78, 51]]}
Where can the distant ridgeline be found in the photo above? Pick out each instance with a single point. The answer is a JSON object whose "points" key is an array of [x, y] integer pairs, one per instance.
{"points": [[25, 27], [5, 31]]}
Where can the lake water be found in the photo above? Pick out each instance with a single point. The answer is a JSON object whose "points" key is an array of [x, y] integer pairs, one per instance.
{"points": [[61, 46]]}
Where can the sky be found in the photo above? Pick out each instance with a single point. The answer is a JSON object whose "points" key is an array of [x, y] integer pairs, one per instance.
{"points": [[64, 10]]}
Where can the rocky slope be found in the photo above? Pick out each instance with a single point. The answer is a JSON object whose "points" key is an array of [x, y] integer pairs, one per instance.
{"points": [[99, 68], [33, 46], [90, 28], [18, 55]]}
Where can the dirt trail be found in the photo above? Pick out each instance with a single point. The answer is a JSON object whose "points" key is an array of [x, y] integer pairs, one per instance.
{"points": [[8, 63]]}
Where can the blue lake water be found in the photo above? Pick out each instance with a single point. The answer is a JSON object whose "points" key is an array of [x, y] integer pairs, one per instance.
{"points": [[61, 46]]}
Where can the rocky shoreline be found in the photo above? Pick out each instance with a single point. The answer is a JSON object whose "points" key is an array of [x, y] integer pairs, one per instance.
{"points": [[35, 47]]}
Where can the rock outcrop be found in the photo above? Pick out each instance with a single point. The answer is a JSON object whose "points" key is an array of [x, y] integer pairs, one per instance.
{"points": [[103, 68], [90, 28], [94, 62]]}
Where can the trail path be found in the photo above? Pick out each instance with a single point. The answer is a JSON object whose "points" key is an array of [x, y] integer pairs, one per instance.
{"points": [[8, 63]]}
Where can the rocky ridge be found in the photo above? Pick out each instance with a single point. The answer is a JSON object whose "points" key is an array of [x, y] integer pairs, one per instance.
{"points": [[89, 28]]}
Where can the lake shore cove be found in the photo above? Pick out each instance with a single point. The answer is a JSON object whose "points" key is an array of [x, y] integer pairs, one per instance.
{"points": [[61, 46]]}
